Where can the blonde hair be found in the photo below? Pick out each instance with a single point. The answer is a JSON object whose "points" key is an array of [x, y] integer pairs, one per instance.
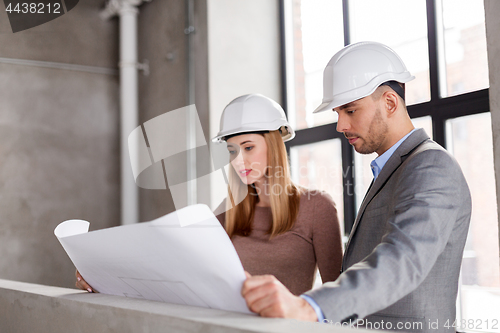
{"points": [[284, 202]]}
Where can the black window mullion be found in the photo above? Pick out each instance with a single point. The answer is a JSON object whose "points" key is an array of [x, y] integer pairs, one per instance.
{"points": [[438, 130], [464, 104], [347, 27], [348, 180], [284, 87], [283, 73], [315, 134], [348, 185], [438, 127], [433, 49], [420, 110]]}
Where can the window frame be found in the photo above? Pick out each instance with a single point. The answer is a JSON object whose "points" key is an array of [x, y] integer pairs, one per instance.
{"points": [[440, 109]]}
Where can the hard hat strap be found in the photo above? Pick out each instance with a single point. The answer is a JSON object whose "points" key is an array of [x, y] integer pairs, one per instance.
{"points": [[396, 87]]}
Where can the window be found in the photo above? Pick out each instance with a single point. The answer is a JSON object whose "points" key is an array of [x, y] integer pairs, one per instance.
{"points": [[469, 138], [463, 45], [309, 51], [319, 166], [388, 27], [443, 44]]}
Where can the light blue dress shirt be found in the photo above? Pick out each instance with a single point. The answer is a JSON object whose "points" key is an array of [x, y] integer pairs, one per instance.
{"points": [[376, 166], [378, 163]]}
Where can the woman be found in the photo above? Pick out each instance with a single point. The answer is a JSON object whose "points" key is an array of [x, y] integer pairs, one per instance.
{"points": [[276, 227]]}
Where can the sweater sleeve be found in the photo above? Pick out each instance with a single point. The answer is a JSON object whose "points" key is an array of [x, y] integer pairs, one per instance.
{"points": [[327, 240]]}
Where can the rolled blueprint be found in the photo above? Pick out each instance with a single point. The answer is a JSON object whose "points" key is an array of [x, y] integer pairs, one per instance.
{"points": [[184, 257]]}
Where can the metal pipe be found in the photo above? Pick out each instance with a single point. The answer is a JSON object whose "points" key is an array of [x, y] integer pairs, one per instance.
{"points": [[129, 105], [129, 108]]}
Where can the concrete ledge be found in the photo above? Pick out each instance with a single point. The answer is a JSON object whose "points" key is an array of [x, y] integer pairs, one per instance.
{"points": [[26, 307]]}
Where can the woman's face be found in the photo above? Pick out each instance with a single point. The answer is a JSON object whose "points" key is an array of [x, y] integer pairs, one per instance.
{"points": [[248, 154]]}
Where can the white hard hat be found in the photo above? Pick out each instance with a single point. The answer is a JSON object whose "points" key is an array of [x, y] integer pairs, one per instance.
{"points": [[253, 113], [357, 70]]}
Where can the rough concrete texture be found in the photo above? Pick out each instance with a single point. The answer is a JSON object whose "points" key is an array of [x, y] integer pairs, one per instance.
{"points": [[60, 128], [236, 51], [201, 70], [36, 308], [243, 56], [58, 141], [79, 37], [163, 43], [492, 21], [244, 52]]}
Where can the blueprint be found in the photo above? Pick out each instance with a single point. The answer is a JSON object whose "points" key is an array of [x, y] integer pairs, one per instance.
{"points": [[185, 257]]}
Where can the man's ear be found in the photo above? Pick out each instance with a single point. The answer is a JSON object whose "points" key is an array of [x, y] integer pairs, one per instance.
{"points": [[391, 102]]}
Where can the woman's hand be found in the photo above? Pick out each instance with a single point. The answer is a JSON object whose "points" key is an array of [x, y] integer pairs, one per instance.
{"points": [[82, 284]]}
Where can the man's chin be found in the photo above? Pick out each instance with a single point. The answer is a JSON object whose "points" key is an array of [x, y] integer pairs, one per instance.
{"points": [[363, 150]]}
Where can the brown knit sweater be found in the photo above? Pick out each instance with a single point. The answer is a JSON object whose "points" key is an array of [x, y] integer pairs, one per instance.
{"points": [[292, 257]]}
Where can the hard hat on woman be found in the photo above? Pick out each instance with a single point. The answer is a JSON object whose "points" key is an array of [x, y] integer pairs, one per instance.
{"points": [[253, 113]]}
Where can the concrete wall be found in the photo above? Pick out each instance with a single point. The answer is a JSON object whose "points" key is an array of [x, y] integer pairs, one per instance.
{"points": [[59, 128], [232, 56], [28, 308], [58, 140], [243, 54], [492, 12], [163, 43]]}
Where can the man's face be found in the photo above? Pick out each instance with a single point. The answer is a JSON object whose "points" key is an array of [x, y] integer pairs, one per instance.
{"points": [[363, 124]]}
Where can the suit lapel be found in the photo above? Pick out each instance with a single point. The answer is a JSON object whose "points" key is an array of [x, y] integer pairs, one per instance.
{"points": [[399, 155]]}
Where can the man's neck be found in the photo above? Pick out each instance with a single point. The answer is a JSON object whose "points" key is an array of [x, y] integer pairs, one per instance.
{"points": [[393, 138]]}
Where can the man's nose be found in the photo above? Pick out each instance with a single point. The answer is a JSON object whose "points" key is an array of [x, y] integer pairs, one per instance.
{"points": [[342, 123]]}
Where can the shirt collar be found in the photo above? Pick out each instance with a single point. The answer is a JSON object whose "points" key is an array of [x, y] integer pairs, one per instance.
{"points": [[378, 163]]}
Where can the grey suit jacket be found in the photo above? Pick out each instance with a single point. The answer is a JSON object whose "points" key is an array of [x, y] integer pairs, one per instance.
{"points": [[402, 261]]}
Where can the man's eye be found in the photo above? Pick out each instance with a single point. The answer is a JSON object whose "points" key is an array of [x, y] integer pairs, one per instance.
{"points": [[350, 111]]}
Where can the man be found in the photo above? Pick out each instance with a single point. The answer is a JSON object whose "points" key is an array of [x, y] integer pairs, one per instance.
{"points": [[401, 264]]}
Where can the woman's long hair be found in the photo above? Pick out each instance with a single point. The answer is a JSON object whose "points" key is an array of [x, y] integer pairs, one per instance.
{"points": [[284, 194]]}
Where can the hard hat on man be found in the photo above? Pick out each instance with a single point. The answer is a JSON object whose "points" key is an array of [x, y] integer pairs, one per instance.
{"points": [[357, 70]]}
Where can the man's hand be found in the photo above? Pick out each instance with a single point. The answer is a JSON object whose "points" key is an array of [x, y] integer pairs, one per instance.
{"points": [[268, 297]]}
